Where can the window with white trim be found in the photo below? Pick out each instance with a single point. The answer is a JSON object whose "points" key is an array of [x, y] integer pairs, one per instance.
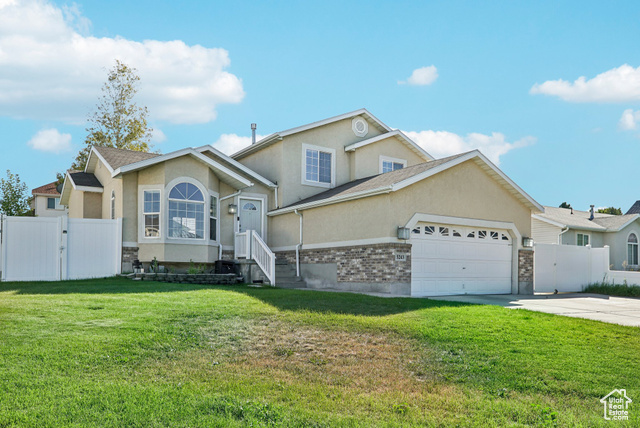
{"points": [[213, 218], [388, 164], [151, 213], [318, 166], [113, 205], [583, 239], [186, 212], [632, 249], [53, 203]]}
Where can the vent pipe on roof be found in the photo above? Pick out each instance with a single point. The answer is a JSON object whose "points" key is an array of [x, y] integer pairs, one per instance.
{"points": [[253, 133], [591, 214], [572, 210]]}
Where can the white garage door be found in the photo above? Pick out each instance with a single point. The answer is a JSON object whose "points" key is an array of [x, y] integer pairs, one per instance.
{"points": [[449, 259]]}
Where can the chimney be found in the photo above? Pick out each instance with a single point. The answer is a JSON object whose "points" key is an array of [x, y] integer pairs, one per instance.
{"points": [[591, 215], [253, 133]]}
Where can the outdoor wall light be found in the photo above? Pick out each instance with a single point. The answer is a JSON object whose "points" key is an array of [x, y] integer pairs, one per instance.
{"points": [[403, 233], [233, 208], [527, 242]]}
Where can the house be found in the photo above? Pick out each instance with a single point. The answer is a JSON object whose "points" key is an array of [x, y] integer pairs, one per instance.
{"points": [[349, 202], [46, 201], [567, 226]]}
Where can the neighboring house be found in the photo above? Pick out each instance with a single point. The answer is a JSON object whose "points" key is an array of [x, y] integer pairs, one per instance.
{"points": [[46, 201], [567, 226], [351, 202]]}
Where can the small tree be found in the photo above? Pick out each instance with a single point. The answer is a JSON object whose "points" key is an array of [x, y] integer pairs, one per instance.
{"points": [[610, 210], [14, 199], [565, 205], [118, 121]]}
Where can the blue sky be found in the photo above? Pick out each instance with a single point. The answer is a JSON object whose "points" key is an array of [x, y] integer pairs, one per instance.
{"points": [[549, 90]]}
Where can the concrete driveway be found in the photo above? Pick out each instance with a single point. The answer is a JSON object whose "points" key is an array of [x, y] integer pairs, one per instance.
{"points": [[614, 310]]}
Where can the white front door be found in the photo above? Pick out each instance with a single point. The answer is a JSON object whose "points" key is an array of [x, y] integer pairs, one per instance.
{"points": [[250, 216], [447, 259]]}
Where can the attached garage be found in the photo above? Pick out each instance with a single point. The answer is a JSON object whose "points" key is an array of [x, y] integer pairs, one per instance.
{"points": [[451, 259]]}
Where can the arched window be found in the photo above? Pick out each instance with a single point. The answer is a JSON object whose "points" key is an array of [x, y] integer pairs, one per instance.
{"points": [[186, 212], [632, 249]]}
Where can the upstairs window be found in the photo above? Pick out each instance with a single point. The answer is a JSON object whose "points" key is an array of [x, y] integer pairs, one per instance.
{"points": [[53, 203], [318, 166], [388, 164], [186, 212]]}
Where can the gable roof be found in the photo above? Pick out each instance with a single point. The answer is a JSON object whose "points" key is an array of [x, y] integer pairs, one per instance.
{"points": [[400, 136], [563, 217], [47, 189], [115, 158], [231, 162], [270, 139], [82, 181], [635, 208], [401, 178]]}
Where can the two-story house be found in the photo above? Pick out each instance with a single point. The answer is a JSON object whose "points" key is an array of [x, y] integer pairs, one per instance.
{"points": [[46, 201], [352, 203]]}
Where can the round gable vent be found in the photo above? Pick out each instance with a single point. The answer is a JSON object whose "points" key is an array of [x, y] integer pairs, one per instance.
{"points": [[360, 126]]}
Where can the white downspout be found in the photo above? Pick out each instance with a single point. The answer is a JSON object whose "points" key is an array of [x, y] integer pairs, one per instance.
{"points": [[560, 235], [275, 190], [299, 245], [233, 195]]}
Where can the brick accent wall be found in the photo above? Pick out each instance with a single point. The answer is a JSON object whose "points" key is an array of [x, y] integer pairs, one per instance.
{"points": [[525, 266], [129, 254], [370, 263]]}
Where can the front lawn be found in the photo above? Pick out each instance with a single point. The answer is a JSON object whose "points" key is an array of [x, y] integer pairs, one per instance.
{"points": [[121, 353]]}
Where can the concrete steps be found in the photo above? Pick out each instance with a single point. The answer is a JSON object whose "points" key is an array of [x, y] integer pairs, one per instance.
{"points": [[286, 275]]}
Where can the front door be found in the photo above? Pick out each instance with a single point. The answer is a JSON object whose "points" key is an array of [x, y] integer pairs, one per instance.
{"points": [[250, 217]]}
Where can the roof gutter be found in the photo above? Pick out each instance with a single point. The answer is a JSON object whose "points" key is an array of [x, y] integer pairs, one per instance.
{"points": [[566, 229]]}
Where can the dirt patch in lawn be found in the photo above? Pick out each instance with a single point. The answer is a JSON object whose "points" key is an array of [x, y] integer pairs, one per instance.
{"points": [[366, 361]]}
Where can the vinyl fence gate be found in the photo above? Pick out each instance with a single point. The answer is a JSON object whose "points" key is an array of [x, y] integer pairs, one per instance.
{"points": [[52, 249]]}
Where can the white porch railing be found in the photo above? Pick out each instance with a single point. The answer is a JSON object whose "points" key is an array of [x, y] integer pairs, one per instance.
{"points": [[264, 257], [249, 245], [242, 245]]}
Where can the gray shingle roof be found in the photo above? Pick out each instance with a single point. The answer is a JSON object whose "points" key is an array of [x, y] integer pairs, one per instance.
{"points": [[121, 157], [85, 179], [635, 208], [376, 181], [580, 219]]}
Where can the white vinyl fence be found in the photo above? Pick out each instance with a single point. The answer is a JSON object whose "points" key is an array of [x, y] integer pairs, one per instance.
{"points": [[569, 268], [51, 249]]}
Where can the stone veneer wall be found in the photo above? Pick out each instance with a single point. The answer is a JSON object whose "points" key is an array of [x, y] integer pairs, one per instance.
{"points": [[525, 271], [367, 263], [129, 254]]}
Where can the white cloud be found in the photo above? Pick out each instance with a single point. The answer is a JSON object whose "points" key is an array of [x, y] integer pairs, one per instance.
{"points": [[422, 76], [50, 140], [620, 84], [629, 120], [442, 143], [50, 70], [232, 143], [157, 136]]}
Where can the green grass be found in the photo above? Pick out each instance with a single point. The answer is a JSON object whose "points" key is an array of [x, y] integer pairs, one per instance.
{"points": [[622, 290], [121, 353]]}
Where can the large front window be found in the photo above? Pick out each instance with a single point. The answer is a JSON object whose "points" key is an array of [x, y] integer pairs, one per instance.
{"points": [[632, 250], [186, 212]]}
